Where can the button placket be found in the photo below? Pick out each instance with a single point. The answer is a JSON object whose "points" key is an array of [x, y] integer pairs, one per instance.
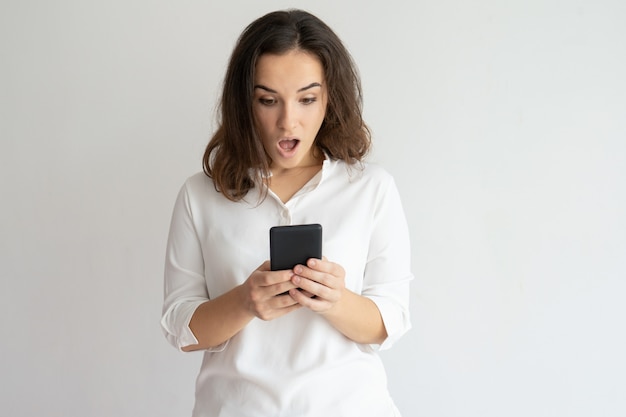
{"points": [[285, 216]]}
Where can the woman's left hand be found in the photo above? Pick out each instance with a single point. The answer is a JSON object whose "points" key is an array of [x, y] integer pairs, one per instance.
{"points": [[322, 289], [321, 283]]}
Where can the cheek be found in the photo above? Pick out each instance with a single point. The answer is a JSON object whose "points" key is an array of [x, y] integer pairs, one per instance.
{"points": [[320, 117], [322, 113], [264, 130], [262, 121]]}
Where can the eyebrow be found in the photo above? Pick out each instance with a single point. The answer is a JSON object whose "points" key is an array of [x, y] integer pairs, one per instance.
{"points": [[269, 90]]}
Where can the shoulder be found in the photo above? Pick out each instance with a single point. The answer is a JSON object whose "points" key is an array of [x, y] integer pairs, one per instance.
{"points": [[366, 172], [197, 189], [199, 182], [366, 182], [200, 189], [375, 171]]}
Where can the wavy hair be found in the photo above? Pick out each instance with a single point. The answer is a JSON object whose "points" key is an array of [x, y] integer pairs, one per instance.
{"points": [[235, 158]]}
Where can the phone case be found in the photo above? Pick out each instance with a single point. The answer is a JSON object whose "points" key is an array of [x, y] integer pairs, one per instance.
{"points": [[293, 245]]}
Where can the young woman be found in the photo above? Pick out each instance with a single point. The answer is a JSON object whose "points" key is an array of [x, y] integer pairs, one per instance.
{"points": [[289, 150]]}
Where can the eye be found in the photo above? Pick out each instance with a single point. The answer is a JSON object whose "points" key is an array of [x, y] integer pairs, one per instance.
{"points": [[308, 100], [267, 101]]}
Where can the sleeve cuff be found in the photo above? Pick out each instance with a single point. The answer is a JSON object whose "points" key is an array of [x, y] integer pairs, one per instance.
{"points": [[395, 318], [178, 332]]}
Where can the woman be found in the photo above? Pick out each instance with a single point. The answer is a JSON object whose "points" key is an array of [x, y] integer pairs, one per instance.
{"points": [[289, 150]]}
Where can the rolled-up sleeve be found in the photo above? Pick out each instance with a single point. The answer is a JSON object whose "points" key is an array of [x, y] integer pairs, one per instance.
{"points": [[388, 270], [184, 282]]}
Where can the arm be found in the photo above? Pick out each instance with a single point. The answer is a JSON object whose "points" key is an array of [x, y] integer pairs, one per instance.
{"points": [[379, 313], [192, 319], [355, 316], [217, 320]]}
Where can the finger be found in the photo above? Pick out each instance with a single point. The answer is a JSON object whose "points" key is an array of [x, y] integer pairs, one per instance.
{"points": [[313, 287], [313, 275], [265, 266], [313, 303], [283, 301], [270, 278], [306, 293], [283, 287], [323, 265], [279, 309]]}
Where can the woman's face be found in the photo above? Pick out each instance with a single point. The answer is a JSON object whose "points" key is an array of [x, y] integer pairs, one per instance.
{"points": [[289, 105]]}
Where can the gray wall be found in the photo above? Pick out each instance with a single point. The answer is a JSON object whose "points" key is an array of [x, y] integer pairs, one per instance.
{"points": [[504, 123]]}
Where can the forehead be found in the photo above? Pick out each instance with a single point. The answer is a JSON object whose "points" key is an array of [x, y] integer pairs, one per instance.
{"points": [[291, 70]]}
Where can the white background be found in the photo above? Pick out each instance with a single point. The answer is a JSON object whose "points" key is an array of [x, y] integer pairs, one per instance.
{"points": [[504, 123]]}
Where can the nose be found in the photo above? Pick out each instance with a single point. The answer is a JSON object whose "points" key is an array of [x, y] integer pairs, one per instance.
{"points": [[288, 118]]}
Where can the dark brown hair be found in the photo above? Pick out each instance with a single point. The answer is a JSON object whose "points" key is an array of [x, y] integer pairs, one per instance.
{"points": [[235, 158]]}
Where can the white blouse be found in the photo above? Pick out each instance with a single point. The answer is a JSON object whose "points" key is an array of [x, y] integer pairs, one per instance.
{"points": [[297, 364]]}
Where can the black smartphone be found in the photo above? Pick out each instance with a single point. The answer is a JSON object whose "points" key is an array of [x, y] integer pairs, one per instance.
{"points": [[293, 245]]}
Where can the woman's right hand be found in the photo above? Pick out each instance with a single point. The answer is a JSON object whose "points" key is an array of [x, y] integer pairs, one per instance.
{"points": [[266, 294]]}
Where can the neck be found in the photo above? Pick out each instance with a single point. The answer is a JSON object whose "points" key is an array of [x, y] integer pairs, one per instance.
{"points": [[313, 163]]}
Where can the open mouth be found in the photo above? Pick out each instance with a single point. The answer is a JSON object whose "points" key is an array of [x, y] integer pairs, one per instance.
{"points": [[288, 145]]}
